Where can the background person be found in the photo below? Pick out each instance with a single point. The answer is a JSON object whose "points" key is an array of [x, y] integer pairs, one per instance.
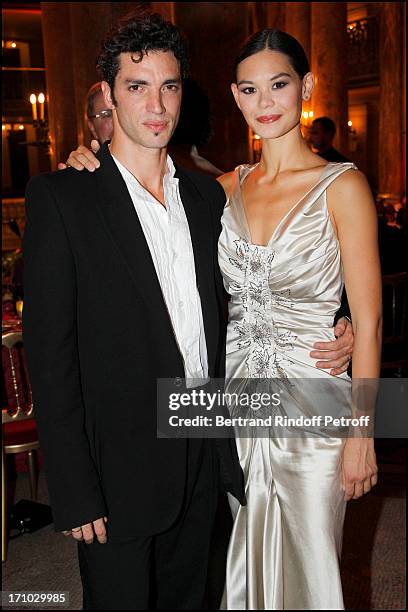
{"points": [[99, 118], [321, 136]]}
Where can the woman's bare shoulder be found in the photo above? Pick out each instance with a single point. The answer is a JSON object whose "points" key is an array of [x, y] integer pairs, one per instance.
{"points": [[350, 193], [348, 183]]}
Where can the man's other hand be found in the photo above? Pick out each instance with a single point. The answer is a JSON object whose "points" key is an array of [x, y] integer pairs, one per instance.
{"points": [[336, 355], [83, 158]]}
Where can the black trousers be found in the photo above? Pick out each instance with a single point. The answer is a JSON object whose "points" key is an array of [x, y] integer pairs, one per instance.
{"points": [[164, 571]]}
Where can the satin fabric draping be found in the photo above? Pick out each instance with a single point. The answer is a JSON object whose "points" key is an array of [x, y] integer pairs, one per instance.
{"points": [[285, 544]]}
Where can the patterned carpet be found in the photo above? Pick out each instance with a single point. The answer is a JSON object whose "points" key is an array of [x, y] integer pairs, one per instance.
{"points": [[373, 563]]}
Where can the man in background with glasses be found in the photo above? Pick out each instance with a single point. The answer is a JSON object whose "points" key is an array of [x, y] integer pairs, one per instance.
{"points": [[99, 118]]}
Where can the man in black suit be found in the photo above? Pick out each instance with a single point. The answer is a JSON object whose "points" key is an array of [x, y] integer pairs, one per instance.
{"points": [[101, 325], [122, 288]]}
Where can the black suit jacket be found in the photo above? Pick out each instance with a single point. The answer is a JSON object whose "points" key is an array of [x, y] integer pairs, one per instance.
{"points": [[97, 335]]}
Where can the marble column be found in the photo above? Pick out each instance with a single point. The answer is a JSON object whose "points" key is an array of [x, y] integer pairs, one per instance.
{"points": [[391, 104], [329, 65], [297, 23], [56, 27], [89, 23]]}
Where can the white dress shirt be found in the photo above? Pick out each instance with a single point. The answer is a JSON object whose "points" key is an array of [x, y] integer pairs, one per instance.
{"points": [[168, 236]]}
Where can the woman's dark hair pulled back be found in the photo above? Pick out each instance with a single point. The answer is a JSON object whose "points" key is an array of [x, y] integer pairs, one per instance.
{"points": [[274, 40]]}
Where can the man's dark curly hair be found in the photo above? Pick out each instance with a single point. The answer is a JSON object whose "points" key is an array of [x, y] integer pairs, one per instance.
{"points": [[138, 34]]}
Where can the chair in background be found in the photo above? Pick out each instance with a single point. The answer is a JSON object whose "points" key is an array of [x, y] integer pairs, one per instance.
{"points": [[395, 299], [19, 428]]}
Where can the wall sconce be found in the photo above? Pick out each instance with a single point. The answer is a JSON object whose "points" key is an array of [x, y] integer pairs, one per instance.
{"points": [[11, 127], [307, 118], [41, 102], [255, 147], [352, 137], [33, 102], [39, 122], [38, 117]]}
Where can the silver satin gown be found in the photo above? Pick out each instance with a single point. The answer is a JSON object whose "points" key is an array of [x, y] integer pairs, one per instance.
{"points": [[285, 544]]}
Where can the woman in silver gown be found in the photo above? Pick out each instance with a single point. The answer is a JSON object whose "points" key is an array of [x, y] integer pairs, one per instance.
{"points": [[293, 228]]}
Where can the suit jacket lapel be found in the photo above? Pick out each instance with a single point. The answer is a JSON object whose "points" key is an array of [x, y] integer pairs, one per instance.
{"points": [[201, 231], [123, 224]]}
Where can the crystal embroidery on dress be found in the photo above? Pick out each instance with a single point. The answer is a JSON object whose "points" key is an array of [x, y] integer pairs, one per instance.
{"points": [[257, 328]]}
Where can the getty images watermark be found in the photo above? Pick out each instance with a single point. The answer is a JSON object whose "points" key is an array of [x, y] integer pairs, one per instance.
{"points": [[253, 401], [282, 408]]}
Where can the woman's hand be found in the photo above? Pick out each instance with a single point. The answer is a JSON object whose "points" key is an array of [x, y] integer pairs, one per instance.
{"points": [[358, 467], [83, 158]]}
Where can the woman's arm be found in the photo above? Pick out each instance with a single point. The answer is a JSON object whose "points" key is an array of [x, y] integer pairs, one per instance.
{"points": [[353, 213]]}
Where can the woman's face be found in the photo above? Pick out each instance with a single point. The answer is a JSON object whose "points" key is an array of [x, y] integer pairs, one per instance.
{"points": [[269, 93]]}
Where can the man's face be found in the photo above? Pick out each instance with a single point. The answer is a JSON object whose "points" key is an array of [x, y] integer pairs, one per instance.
{"points": [[101, 127], [147, 98], [319, 138]]}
